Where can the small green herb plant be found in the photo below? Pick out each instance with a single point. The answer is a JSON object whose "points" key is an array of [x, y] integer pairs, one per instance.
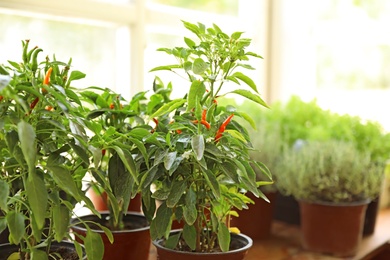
{"points": [[329, 171], [199, 165]]}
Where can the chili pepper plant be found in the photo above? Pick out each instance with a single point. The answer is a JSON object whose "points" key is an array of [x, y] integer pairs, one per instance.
{"points": [[43, 153], [117, 137], [199, 164]]}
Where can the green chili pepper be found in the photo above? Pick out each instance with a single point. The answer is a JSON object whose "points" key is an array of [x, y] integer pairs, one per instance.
{"points": [[34, 63], [30, 53], [25, 47]]}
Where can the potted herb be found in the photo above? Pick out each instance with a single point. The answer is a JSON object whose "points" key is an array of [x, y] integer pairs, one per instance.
{"points": [[116, 130], [43, 155], [199, 162], [256, 221], [333, 182]]}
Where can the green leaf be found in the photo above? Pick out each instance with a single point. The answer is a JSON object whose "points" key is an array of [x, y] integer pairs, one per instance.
{"points": [[166, 67], [4, 192], [223, 237], [172, 241], [75, 75], [190, 43], [37, 254], [15, 221], [61, 220], [176, 192], [121, 181], [127, 160], [213, 183], [245, 79], [189, 235], [27, 140], [168, 107], [63, 178], [190, 213], [247, 118], [236, 35], [195, 94], [3, 224], [199, 66], [164, 221], [169, 160], [249, 95], [94, 246], [192, 27], [37, 197], [198, 146]]}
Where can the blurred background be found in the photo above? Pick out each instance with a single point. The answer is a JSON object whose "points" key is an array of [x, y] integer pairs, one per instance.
{"points": [[336, 51]]}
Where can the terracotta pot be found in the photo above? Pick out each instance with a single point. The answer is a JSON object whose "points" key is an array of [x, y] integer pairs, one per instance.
{"points": [[65, 248], [335, 229], [128, 244], [100, 201], [256, 221], [244, 241]]}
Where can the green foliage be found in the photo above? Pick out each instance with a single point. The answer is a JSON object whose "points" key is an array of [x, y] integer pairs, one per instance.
{"points": [[43, 151], [199, 163], [329, 171], [118, 133], [287, 123]]}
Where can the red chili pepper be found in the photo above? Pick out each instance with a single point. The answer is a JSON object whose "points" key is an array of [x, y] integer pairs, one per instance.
{"points": [[222, 128], [112, 106], [178, 131], [204, 113], [156, 122], [1, 98], [34, 103], [203, 122], [49, 108], [103, 152], [46, 80]]}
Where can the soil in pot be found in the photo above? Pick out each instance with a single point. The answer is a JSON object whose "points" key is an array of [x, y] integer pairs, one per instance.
{"points": [[239, 247], [65, 249], [331, 228], [256, 221], [129, 244]]}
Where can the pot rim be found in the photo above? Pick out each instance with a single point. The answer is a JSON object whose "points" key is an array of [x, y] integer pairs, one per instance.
{"points": [[105, 214], [336, 204], [156, 243]]}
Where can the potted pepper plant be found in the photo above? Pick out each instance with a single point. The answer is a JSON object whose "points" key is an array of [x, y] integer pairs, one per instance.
{"points": [[199, 165], [43, 157], [333, 182], [116, 139]]}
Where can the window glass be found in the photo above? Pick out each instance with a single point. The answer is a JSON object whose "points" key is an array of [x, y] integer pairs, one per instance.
{"points": [[217, 6], [353, 50], [91, 47]]}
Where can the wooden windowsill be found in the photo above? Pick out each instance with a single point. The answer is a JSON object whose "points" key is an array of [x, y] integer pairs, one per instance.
{"points": [[284, 243]]}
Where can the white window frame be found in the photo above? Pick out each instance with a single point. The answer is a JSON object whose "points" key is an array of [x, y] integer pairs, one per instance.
{"points": [[133, 19]]}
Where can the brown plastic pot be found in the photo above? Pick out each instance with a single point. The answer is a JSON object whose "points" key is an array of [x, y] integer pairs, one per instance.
{"points": [[128, 244], [244, 241], [256, 221], [329, 228], [100, 201]]}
